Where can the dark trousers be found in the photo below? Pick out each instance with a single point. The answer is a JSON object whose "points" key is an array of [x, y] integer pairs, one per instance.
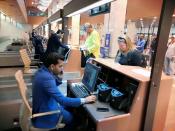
{"points": [[85, 58]]}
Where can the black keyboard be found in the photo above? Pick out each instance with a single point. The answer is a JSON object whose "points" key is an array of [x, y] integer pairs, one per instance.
{"points": [[80, 90]]}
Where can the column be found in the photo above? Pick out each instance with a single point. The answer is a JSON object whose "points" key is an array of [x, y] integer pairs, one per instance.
{"points": [[75, 30], [65, 28], [131, 30], [114, 23]]}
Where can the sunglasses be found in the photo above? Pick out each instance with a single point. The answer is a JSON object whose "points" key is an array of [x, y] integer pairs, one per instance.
{"points": [[121, 40]]}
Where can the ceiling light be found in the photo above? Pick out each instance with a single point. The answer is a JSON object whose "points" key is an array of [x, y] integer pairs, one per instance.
{"points": [[99, 3], [155, 18], [173, 15], [43, 4], [141, 19]]}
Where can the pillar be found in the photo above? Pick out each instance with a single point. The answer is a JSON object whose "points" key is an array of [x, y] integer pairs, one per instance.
{"points": [[75, 30], [114, 23], [131, 30]]}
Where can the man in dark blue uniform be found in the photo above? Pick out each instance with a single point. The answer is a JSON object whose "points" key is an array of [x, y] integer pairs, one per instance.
{"points": [[54, 43], [47, 97]]}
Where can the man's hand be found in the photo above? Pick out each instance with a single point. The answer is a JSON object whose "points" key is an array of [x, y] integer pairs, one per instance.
{"points": [[90, 99]]}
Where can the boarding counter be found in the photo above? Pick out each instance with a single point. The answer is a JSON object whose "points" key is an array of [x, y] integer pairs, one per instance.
{"points": [[120, 76]]}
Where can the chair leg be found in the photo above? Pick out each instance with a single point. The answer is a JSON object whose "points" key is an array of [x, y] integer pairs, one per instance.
{"points": [[60, 125]]}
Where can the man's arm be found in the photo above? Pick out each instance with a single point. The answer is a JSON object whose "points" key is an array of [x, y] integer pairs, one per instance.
{"points": [[52, 90]]}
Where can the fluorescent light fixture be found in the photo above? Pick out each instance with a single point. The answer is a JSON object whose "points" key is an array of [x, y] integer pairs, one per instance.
{"points": [[56, 20], [155, 17], [43, 4], [99, 3]]}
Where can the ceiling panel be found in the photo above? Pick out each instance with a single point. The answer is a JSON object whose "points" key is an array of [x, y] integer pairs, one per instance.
{"points": [[11, 8], [143, 8], [135, 8]]}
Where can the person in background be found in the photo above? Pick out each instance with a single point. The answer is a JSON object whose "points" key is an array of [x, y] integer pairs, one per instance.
{"points": [[47, 96], [60, 34], [140, 43], [91, 47], [153, 48], [169, 62], [37, 43], [54, 43], [127, 54]]}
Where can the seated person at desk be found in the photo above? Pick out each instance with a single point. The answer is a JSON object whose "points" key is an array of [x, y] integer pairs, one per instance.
{"points": [[127, 54], [47, 97]]}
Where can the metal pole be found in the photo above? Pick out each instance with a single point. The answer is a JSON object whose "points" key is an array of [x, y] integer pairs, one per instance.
{"points": [[158, 60]]}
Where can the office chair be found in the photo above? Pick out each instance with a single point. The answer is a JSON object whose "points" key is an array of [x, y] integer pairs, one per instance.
{"points": [[67, 54], [26, 111], [28, 62]]}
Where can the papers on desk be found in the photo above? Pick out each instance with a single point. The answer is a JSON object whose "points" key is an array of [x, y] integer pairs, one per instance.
{"points": [[145, 73]]}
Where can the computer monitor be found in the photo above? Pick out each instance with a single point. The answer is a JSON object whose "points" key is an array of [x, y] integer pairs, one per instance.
{"points": [[90, 76]]}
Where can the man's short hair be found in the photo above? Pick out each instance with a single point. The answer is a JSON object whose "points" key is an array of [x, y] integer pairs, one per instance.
{"points": [[60, 31], [88, 25], [53, 58]]}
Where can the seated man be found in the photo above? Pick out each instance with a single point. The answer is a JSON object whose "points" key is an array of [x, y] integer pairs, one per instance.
{"points": [[47, 97]]}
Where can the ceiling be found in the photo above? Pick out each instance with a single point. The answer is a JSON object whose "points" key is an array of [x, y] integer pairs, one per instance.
{"points": [[135, 8], [12, 9], [143, 8]]}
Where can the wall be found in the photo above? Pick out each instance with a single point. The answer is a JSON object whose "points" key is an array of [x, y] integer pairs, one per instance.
{"points": [[9, 31], [91, 19]]}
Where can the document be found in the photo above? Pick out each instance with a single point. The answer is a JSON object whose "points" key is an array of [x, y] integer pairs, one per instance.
{"points": [[143, 72]]}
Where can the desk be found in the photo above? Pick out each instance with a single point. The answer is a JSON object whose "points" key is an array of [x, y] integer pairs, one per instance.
{"points": [[96, 115], [116, 75]]}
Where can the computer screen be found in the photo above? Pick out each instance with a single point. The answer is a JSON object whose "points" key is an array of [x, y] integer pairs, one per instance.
{"points": [[90, 76]]}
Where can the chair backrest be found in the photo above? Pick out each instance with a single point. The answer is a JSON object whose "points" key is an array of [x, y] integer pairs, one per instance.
{"points": [[67, 55], [23, 89], [28, 47], [25, 57]]}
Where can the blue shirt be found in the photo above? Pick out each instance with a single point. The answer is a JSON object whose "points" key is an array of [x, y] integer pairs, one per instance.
{"points": [[47, 97], [140, 45]]}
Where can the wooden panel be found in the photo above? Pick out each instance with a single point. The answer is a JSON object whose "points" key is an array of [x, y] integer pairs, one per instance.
{"points": [[162, 104], [91, 19], [116, 123], [36, 20]]}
